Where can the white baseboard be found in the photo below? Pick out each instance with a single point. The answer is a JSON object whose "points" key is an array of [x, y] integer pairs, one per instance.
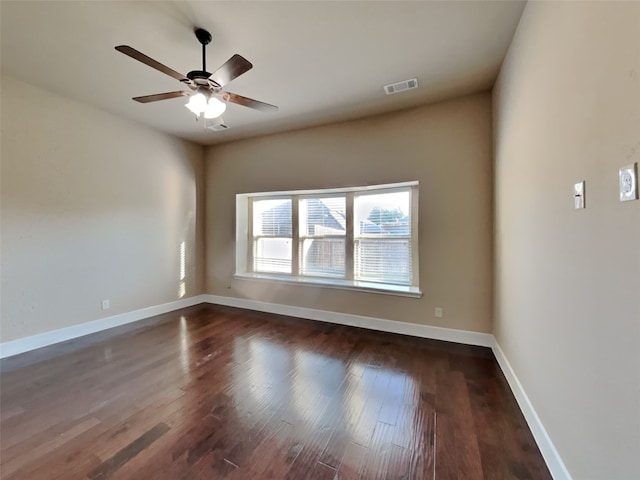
{"points": [[391, 326], [21, 345], [551, 456]]}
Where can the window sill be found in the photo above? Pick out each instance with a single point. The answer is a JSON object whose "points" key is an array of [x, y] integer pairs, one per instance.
{"points": [[369, 287]]}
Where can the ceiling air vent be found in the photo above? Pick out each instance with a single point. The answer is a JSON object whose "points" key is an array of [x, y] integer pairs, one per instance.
{"points": [[401, 86]]}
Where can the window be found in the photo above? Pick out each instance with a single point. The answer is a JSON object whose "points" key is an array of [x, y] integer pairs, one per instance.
{"points": [[382, 240], [272, 234], [323, 227], [361, 237]]}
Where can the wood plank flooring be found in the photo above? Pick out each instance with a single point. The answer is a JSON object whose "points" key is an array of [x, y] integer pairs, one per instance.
{"points": [[213, 392]]}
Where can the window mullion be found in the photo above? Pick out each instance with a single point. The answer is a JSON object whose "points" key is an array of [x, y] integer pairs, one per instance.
{"points": [[250, 240], [415, 276], [348, 241], [295, 237]]}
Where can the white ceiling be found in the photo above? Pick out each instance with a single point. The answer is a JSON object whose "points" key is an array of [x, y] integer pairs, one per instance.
{"points": [[320, 62]]}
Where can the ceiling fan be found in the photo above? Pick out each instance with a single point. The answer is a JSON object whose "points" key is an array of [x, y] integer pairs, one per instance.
{"points": [[206, 95]]}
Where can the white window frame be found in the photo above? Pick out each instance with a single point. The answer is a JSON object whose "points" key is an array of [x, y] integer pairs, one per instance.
{"points": [[244, 241]]}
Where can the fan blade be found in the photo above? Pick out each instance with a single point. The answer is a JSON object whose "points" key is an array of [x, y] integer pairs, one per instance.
{"points": [[141, 57], [161, 96], [249, 102], [233, 68]]}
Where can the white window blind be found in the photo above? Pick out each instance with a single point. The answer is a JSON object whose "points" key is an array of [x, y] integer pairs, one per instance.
{"points": [[272, 235], [382, 238], [323, 224]]}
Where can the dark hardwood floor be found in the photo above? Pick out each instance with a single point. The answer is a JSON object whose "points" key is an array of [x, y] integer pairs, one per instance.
{"points": [[215, 392]]}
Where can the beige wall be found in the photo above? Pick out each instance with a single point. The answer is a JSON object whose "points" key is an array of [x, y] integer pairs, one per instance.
{"points": [[93, 207], [567, 108], [446, 147]]}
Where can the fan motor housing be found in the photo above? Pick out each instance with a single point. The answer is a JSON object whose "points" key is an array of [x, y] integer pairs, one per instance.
{"points": [[198, 75], [201, 79]]}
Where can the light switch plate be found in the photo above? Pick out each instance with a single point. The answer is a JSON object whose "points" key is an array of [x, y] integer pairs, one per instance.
{"points": [[628, 179], [578, 195]]}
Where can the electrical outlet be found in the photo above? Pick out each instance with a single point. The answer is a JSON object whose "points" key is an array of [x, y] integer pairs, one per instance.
{"points": [[105, 304], [439, 312], [628, 178]]}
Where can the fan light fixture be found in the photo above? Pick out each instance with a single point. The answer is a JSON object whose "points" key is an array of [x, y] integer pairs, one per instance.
{"points": [[212, 108]]}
